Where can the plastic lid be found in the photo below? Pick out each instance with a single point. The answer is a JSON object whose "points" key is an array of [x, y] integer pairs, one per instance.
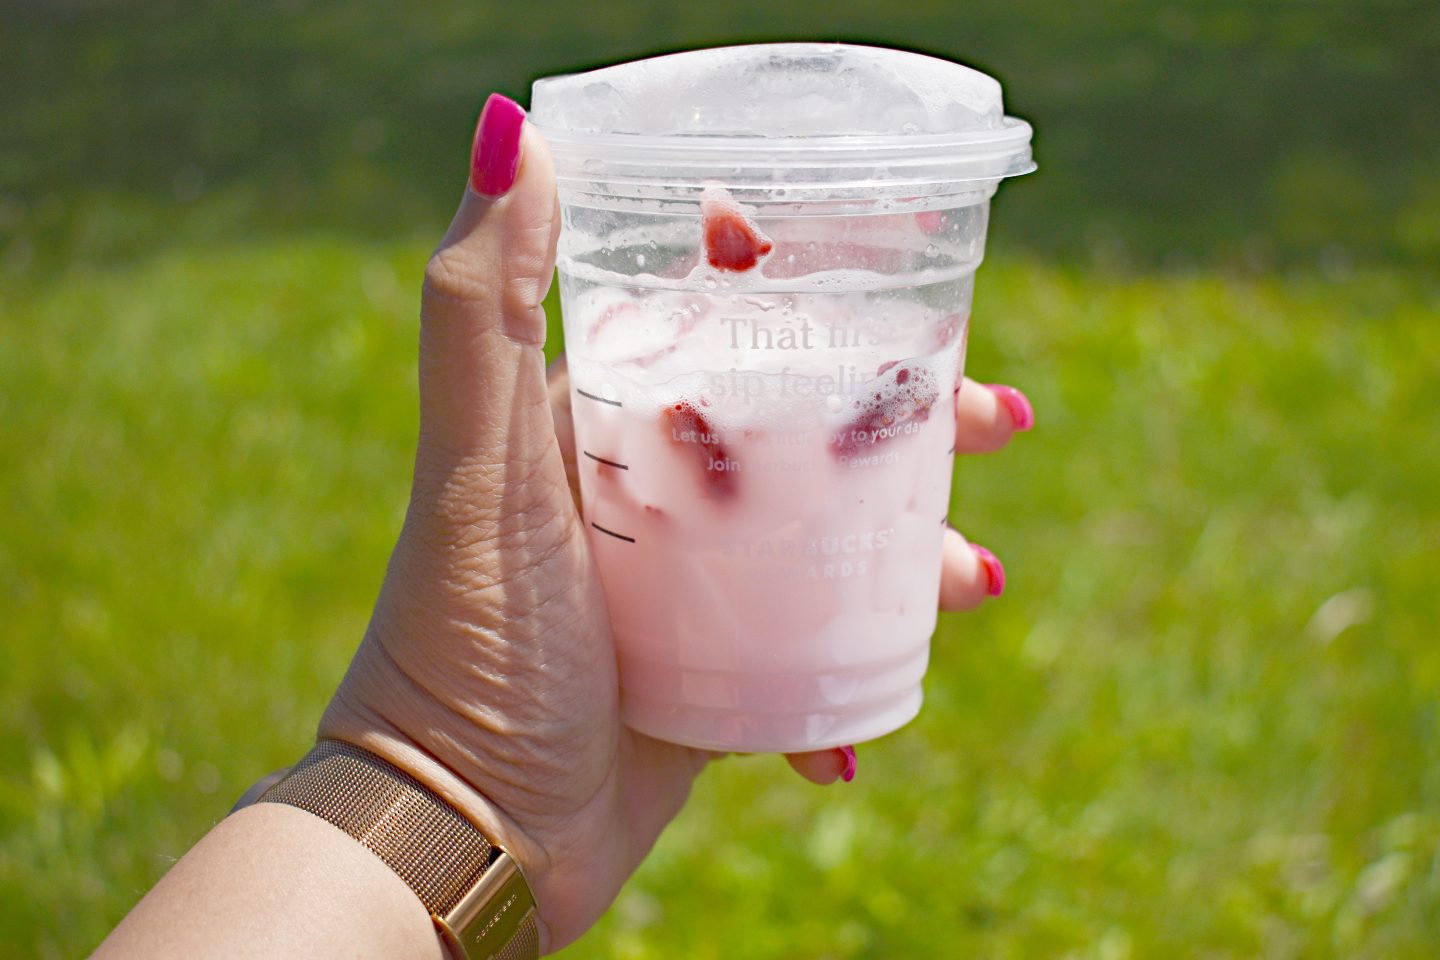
{"points": [[805, 119]]}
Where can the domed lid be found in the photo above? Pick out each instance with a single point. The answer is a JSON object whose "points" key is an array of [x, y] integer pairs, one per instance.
{"points": [[812, 119]]}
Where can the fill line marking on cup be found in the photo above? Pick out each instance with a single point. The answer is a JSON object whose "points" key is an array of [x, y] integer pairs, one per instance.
{"points": [[608, 463], [617, 536], [945, 521], [951, 451], [591, 396]]}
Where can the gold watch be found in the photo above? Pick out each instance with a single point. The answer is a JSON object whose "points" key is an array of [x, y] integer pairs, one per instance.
{"points": [[476, 895]]}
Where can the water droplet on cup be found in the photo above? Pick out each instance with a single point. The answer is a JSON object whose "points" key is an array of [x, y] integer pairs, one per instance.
{"points": [[640, 260]]}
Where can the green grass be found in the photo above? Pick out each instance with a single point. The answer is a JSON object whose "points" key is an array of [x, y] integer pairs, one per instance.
{"points": [[1202, 721]]}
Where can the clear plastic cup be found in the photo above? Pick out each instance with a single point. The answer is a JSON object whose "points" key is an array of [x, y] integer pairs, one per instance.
{"points": [[766, 266]]}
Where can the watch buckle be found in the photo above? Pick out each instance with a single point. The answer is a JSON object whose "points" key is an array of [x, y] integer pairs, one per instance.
{"points": [[488, 918]]}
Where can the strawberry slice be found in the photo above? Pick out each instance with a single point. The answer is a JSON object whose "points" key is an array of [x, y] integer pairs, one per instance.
{"points": [[902, 392], [622, 333], [686, 425], [604, 326], [731, 240]]}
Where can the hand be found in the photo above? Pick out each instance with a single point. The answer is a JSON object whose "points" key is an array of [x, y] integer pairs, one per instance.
{"points": [[488, 669]]}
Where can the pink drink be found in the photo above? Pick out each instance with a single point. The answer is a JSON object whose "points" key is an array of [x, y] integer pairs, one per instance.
{"points": [[766, 262], [766, 505]]}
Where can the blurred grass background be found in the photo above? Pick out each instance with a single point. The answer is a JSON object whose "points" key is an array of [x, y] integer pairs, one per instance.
{"points": [[1204, 721]]}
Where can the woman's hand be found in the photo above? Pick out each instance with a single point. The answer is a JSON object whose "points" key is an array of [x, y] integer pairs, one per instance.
{"points": [[488, 669]]}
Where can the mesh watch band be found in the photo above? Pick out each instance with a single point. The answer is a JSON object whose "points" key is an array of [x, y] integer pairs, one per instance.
{"points": [[475, 892]]}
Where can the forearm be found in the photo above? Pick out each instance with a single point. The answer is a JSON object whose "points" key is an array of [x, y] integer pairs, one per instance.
{"points": [[275, 881]]}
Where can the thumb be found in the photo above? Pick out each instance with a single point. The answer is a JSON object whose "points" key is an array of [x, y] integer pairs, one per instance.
{"points": [[490, 500], [482, 333]]}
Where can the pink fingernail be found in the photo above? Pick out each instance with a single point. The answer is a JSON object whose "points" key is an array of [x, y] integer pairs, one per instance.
{"points": [[495, 156], [994, 570], [1021, 413], [848, 773]]}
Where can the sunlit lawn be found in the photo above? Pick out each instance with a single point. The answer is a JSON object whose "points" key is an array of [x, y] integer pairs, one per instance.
{"points": [[1201, 722]]}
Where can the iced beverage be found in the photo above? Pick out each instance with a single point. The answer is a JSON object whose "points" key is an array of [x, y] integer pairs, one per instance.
{"points": [[764, 351]]}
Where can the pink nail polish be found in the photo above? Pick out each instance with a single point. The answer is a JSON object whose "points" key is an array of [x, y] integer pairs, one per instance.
{"points": [[994, 570], [495, 156], [848, 773], [1021, 413]]}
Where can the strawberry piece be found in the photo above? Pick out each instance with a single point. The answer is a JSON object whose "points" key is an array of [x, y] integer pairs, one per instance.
{"points": [[902, 392], [930, 222], [686, 425], [731, 241], [948, 329]]}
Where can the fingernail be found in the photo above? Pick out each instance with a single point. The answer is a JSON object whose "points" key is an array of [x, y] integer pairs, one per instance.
{"points": [[848, 773], [495, 157], [1021, 413], [994, 570]]}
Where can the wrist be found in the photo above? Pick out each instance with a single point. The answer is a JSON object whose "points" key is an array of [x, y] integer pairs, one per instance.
{"points": [[459, 792], [458, 854]]}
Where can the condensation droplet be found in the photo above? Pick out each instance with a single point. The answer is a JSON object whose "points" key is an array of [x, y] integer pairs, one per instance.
{"points": [[639, 259]]}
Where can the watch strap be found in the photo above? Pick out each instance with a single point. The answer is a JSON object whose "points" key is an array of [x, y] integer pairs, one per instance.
{"points": [[475, 892]]}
